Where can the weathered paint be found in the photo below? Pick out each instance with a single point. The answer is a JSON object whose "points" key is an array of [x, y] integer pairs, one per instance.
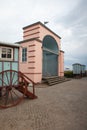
{"points": [[16, 54], [83, 69], [79, 69], [76, 68], [61, 63], [0, 66], [13, 63]]}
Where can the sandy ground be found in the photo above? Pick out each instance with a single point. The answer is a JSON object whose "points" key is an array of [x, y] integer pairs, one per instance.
{"points": [[59, 107]]}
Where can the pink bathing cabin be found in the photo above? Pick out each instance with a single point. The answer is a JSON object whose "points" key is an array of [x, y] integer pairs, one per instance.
{"points": [[40, 53]]}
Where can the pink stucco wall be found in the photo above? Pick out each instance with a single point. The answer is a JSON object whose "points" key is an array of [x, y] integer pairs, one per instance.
{"points": [[31, 32], [61, 64], [33, 67], [39, 31], [44, 32]]}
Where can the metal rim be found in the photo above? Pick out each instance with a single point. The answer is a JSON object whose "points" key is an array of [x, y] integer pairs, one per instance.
{"points": [[12, 90]]}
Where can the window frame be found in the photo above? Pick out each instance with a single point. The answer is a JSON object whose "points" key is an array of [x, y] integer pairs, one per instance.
{"points": [[24, 54], [7, 49]]}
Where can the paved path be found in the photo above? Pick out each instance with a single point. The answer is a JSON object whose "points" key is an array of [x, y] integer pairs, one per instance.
{"points": [[59, 107]]}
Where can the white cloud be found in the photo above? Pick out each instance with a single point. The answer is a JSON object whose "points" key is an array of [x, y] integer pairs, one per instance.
{"points": [[66, 17]]}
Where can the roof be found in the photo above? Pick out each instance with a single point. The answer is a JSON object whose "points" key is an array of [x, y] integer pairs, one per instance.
{"points": [[61, 51], [9, 44], [78, 64], [43, 26], [29, 40]]}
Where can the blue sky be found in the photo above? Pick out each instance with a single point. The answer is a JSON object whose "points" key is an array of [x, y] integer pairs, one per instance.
{"points": [[67, 18]]}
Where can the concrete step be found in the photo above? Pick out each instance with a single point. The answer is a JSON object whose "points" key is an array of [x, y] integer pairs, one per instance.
{"points": [[49, 77], [55, 80]]}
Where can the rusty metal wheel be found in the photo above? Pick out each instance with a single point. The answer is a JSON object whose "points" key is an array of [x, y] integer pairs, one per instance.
{"points": [[12, 90]]}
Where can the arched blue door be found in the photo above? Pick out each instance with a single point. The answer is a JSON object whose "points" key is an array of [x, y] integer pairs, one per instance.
{"points": [[50, 56]]}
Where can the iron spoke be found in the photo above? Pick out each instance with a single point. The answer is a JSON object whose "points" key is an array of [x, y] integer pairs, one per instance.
{"points": [[12, 96], [13, 76], [3, 82], [7, 77], [15, 94], [6, 97], [15, 82]]}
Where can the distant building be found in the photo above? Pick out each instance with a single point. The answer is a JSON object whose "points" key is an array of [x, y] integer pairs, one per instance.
{"points": [[40, 53], [79, 70]]}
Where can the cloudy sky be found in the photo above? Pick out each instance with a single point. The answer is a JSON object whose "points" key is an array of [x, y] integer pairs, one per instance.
{"points": [[67, 18]]}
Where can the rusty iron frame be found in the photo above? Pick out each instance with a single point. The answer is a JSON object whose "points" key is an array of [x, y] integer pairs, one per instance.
{"points": [[19, 85]]}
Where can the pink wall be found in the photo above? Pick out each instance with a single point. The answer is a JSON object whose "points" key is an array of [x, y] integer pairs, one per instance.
{"points": [[61, 63], [25, 66], [44, 32], [39, 31], [38, 62], [31, 32], [33, 67]]}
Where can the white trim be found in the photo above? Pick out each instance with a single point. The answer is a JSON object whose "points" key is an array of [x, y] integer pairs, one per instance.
{"points": [[45, 49], [6, 59], [22, 55], [9, 44]]}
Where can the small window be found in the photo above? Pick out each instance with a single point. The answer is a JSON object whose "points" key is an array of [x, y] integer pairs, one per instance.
{"points": [[24, 54], [6, 53]]}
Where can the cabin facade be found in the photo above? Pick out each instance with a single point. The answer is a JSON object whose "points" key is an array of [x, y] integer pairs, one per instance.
{"points": [[79, 70], [9, 56], [40, 53]]}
